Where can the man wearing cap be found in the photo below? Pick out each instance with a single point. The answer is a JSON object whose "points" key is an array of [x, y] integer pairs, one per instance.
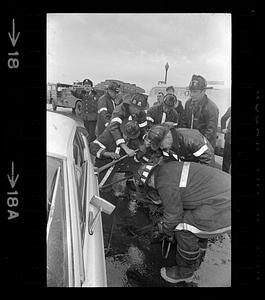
{"points": [[200, 112], [105, 149], [89, 113], [164, 112], [106, 105], [132, 108], [196, 204], [181, 144], [170, 90]]}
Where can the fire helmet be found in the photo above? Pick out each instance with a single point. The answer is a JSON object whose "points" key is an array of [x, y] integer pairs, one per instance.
{"points": [[144, 172], [198, 83], [139, 100], [132, 129], [170, 100], [156, 135], [114, 86]]}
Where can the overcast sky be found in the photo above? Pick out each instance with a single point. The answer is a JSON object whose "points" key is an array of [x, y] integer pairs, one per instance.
{"points": [[135, 47]]}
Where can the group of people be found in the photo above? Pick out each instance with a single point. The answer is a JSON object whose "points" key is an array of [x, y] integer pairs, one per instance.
{"points": [[169, 150]]}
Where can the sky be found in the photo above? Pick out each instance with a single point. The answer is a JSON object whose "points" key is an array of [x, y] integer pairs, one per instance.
{"points": [[134, 48]]}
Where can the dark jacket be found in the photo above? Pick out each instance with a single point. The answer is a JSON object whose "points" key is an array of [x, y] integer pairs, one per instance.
{"points": [[199, 202], [105, 142], [120, 117], [224, 118], [191, 145], [203, 116], [156, 115], [105, 108], [179, 109], [89, 104]]}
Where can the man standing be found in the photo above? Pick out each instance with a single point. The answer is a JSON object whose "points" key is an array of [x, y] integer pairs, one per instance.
{"points": [[163, 112], [89, 113], [160, 98], [170, 90], [196, 203], [181, 144], [200, 112], [106, 105], [227, 147]]}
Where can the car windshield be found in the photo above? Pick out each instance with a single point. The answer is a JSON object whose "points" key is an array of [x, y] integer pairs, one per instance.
{"points": [[57, 266]]}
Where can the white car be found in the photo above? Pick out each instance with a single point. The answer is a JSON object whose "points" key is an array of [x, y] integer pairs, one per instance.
{"points": [[75, 245]]}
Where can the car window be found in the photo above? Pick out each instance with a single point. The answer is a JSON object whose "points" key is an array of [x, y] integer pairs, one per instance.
{"points": [[57, 256], [78, 151]]}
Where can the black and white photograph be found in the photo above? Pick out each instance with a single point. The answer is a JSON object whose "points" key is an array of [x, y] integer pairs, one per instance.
{"points": [[138, 131]]}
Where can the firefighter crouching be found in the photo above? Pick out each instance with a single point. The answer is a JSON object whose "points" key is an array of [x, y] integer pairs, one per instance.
{"points": [[132, 108], [106, 105], [163, 112], [105, 150], [181, 144], [196, 204]]}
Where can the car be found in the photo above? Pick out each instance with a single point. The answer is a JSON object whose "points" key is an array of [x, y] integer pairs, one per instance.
{"points": [[75, 244]]}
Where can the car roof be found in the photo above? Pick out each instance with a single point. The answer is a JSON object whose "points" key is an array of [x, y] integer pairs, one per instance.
{"points": [[59, 132]]}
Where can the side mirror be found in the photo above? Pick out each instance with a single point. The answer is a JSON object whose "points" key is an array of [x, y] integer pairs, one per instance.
{"points": [[102, 205]]}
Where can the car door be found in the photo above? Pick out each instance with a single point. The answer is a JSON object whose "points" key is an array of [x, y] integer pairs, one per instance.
{"points": [[93, 246], [59, 239]]}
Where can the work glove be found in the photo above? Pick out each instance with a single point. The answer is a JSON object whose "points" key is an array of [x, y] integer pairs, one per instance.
{"points": [[164, 230]]}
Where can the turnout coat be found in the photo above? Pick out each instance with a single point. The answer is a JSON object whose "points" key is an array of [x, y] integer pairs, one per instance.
{"points": [[105, 108], [202, 116], [156, 115], [120, 117], [195, 197], [190, 145]]}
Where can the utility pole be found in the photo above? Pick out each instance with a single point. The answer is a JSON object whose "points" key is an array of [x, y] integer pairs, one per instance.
{"points": [[166, 67]]}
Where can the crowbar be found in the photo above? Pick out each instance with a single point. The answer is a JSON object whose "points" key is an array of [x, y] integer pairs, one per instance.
{"points": [[168, 248]]}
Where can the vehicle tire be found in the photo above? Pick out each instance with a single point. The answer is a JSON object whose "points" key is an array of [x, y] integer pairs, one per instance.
{"points": [[78, 108], [54, 106]]}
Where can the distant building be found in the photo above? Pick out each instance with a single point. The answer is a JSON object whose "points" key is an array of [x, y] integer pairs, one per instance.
{"points": [[125, 87]]}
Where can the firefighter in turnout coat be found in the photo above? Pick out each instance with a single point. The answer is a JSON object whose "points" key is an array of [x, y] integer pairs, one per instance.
{"points": [[105, 150], [106, 105], [196, 203], [200, 112], [181, 144], [132, 108], [164, 112]]}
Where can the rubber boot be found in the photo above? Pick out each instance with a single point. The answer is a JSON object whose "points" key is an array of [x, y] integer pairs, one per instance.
{"points": [[188, 258], [203, 243]]}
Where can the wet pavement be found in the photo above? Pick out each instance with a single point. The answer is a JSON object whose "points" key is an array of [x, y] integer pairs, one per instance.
{"points": [[133, 261]]}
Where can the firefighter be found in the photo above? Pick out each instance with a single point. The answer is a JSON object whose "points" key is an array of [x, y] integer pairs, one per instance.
{"points": [[196, 201], [106, 105], [164, 112], [132, 108], [227, 147], [200, 112], [105, 149], [89, 113], [170, 90], [181, 144]]}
